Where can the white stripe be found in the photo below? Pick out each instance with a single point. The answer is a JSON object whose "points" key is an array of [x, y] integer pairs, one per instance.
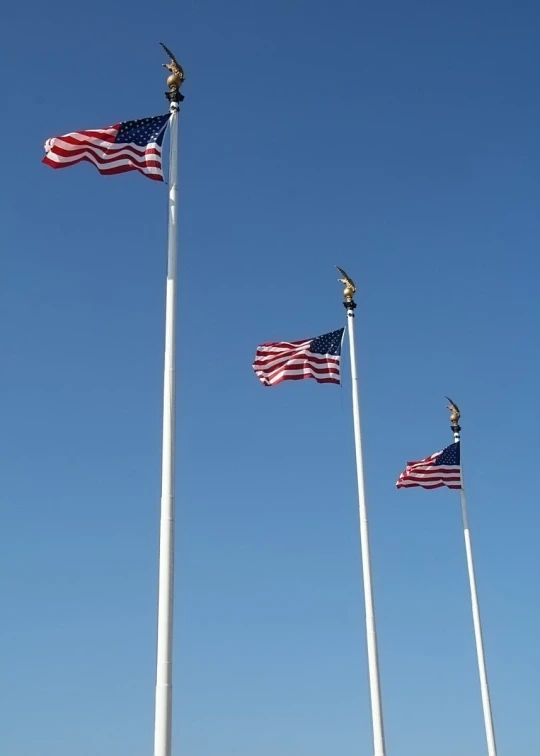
{"points": [[275, 348], [430, 467], [450, 470], [304, 371], [50, 143], [425, 484], [116, 163], [301, 357], [106, 147], [295, 365]]}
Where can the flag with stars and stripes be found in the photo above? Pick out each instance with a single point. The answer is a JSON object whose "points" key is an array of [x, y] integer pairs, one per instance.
{"points": [[317, 358], [441, 469], [127, 146]]}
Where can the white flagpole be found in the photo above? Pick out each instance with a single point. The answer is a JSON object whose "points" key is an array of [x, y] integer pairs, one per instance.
{"points": [[484, 687], [163, 709], [371, 633]]}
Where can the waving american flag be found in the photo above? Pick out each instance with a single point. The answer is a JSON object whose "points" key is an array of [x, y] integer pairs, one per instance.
{"points": [[317, 358], [440, 469], [127, 146]]}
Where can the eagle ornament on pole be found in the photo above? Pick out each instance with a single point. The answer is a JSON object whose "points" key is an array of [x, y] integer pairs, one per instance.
{"points": [[176, 77]]}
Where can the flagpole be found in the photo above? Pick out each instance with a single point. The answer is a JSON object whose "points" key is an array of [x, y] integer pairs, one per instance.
{"points": [[163, 704], [371, 633], [484, 687]]}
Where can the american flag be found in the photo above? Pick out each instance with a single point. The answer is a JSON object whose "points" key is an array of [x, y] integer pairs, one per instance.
{"points": [[441, 469], [127, 146], [295, 360]]}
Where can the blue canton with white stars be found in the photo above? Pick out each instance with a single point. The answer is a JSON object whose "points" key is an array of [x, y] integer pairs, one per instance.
{"points": [[328, 343], [142, 132], [449, 456]]}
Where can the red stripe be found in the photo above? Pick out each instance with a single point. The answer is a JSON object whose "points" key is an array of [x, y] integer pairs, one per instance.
{"points": [[435, 478], [300, 378], [302, 366], [295, 365], [432, 468], [450, 470], [425, 461], [435, 485], [305, 371], [125, 169], [285, 344], [94, 134], [269, 356], [125, 162], [108, 150], [108, 171], [322, 359], [431, 474], [85, 155], [103, 155]]}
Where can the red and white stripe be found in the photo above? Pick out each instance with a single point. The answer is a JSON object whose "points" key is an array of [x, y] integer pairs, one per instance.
{"points": [[293, 361], [97, 146], [426, 474]]}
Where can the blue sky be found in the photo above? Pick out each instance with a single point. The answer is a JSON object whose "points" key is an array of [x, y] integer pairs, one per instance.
{"points": [[398, 140]]}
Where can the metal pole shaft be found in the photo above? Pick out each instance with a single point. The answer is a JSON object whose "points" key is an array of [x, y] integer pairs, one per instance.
{"points": [[484, 687], [163, 711], [371, 633]]}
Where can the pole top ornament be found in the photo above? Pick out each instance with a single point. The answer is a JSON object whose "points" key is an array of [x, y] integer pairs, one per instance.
{"points": [[350, 288], [455, 414], [176, 77]]}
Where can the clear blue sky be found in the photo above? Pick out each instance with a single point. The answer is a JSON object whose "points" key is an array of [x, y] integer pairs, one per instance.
{"points": [[399, 140]]}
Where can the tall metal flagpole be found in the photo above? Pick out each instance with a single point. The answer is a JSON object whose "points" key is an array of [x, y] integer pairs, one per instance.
{"points": [[484, 688], [163, 710], [371, 633]]}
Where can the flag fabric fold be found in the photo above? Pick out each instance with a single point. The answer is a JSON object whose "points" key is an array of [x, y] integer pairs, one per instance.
{"points": [[317, 358], [126, 146], [440, 469]]}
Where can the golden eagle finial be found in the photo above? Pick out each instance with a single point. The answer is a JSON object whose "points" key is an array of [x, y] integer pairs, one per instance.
{"points": [[350, 288], [177, 77], [455, 414]]}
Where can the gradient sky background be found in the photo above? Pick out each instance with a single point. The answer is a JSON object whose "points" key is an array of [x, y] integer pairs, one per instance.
{"points": [[399, 140]]}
